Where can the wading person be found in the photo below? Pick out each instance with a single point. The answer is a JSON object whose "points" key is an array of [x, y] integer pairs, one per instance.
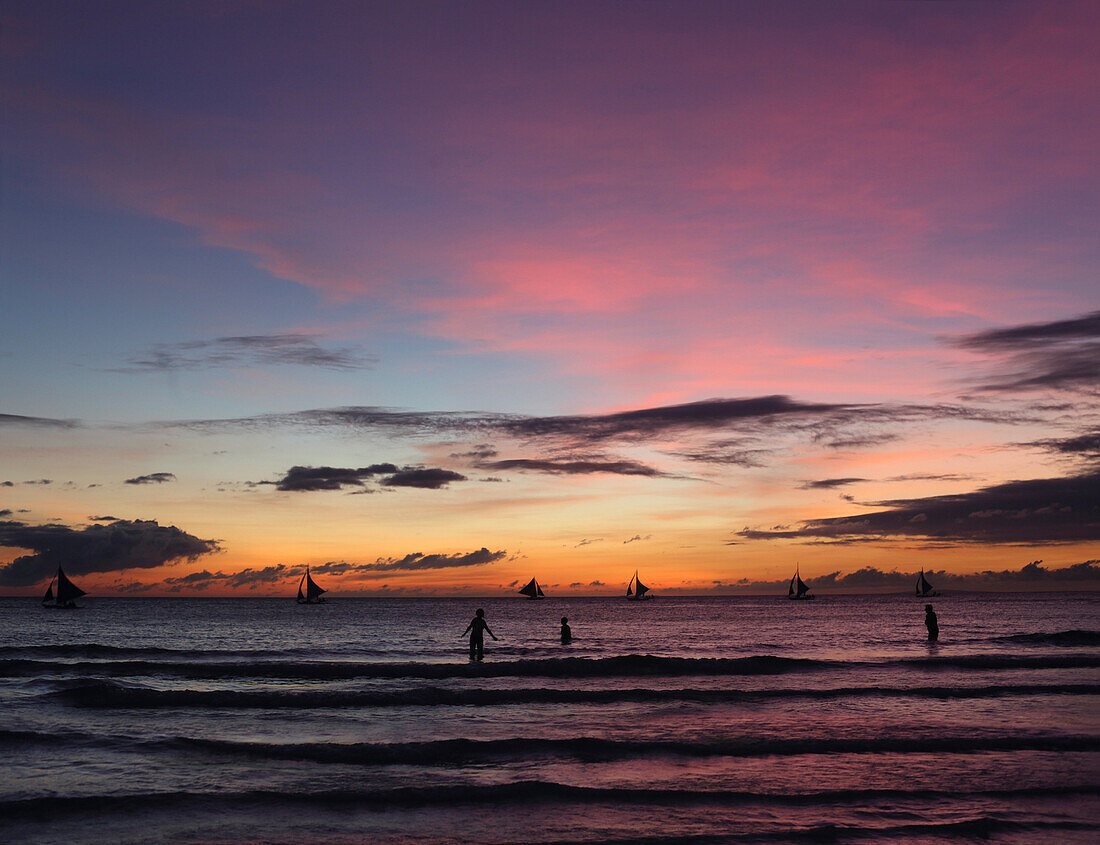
{"points": [[476, 629], [566, 632], [932, 623]]}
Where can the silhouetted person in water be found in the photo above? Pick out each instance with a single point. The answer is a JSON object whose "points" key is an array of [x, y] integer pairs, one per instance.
{"points": [[566, 632], [932, 622], [476, 629]]}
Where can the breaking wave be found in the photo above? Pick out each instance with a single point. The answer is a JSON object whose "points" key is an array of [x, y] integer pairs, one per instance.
{"points": [[1069, 639], [635, 665]]}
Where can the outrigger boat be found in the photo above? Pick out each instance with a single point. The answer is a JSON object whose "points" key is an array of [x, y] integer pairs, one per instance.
{"points": [[66, 596], [532, 590], [925, 589], [798, 588], [636, 590]]}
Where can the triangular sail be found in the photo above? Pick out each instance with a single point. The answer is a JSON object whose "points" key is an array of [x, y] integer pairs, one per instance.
{"points": [[797, 588], [630, 586], [923, 587], [531, 590], [313, 592], [301, 597], [49, 593], [67, 591], [639, 588]]}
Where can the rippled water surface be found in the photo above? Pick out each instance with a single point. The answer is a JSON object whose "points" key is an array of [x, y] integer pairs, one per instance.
{"points": [[673, 720]]}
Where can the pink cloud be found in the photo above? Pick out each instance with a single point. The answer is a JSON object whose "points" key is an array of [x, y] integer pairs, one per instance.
{"points": [[673, 212]]}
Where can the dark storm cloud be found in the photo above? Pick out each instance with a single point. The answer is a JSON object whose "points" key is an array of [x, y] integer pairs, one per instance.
{"points": [[829, 483], [122, 544], [427, 479], [39, 422], [250, 578], [1063, 355], [414, 562], [1036, 512], [306, 479], [249, 351], [1032, 576], [577, 467], [152, 478]]}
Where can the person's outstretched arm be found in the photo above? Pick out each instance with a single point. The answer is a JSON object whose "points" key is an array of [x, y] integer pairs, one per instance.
{"points": [[468, 627], [490, 630]]}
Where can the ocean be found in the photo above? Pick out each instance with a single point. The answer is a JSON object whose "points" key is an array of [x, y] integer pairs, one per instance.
{"points": [[696, 720]]}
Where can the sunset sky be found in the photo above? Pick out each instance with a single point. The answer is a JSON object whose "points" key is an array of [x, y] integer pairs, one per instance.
{"points": [[437, 297]]}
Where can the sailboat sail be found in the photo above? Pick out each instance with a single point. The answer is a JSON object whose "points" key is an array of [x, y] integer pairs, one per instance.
{"points": [[798, 588], [312, 594], [66, 595], [636, 590], [924, 588], [67, 591], [532, 590]]}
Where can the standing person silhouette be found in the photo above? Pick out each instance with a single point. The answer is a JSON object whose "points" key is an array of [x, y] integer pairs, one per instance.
{"points": [[566, 632], [476, 629], [932, 622]]}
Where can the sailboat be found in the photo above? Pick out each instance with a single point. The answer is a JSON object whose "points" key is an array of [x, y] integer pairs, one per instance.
{"points": [[532, 590], [798, 588], [636, 590], [924, 589], [312, 594], [67, 593]]}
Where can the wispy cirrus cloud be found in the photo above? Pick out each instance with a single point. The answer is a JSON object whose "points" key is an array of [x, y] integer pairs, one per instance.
{"points": [[1058, 355], [301, 350], [1085, 445], [575, 467], [37, 422], [829, 483]]}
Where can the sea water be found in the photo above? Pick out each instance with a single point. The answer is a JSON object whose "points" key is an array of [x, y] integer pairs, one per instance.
{"points": [[671, 720]]}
